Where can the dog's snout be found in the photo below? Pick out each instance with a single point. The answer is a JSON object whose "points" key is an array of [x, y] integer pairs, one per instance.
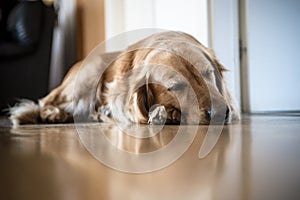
{"points": [[212, 113]]}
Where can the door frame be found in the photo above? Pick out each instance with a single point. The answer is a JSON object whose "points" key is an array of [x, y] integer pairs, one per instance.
{"points": [[244, 77]]}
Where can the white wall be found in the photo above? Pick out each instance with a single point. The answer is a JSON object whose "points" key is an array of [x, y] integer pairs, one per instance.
{"points": [[190, 16], [114, 17], [180, 15], [225, 40]]}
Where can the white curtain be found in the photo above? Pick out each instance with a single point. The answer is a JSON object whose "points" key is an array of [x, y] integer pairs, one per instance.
{"points": [[64, 41]]}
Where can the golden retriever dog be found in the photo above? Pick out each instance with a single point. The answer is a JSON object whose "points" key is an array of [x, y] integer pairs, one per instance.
{"points": [[166, 78]]}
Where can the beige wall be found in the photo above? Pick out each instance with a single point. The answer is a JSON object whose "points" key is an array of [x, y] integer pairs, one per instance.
{"points": [[90, 27]]}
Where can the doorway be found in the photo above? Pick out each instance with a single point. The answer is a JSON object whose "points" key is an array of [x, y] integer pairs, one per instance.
{"points": [[270, 47]]}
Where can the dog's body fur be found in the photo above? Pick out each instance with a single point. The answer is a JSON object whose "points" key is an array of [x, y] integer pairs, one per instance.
{"points": [[171, 69]]}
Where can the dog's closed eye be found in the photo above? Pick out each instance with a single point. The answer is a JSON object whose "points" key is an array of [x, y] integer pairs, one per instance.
{"points": [[177, 87], [207, 73]]}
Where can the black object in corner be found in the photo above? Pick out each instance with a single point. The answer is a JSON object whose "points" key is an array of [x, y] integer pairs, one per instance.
{"points": [[25, 52]]}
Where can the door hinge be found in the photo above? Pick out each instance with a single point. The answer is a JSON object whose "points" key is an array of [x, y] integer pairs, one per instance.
{"points": [[242, 49]]}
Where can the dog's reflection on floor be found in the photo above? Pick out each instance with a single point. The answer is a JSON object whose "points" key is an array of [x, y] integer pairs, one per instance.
{"points": [[67, 159], [141, 139]]}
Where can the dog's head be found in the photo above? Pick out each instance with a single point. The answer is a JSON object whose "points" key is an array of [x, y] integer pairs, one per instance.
{"points": [[189, 95]]}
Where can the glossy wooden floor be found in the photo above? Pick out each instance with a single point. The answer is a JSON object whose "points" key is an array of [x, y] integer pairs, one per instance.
{"points": [[258, 159]]}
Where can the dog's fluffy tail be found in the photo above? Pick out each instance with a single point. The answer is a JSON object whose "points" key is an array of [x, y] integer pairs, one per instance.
{"points": [[24, 112]]}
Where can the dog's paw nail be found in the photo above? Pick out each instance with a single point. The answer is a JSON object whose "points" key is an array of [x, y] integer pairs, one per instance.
{"points": [[157, 115], [105, 110]]}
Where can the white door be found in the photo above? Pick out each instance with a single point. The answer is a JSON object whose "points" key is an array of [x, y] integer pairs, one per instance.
{"points": [[271, 40]]}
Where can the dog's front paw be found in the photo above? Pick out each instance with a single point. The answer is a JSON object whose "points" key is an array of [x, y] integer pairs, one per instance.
{"points": [[103, 114], [52, 114], [157, 115]]}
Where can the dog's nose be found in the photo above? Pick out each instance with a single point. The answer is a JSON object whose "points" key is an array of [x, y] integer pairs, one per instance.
{"points": [[212, 113], [227, 113]]}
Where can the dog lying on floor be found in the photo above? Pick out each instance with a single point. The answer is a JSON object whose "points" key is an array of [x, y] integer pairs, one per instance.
{"points": [[166, 78]]}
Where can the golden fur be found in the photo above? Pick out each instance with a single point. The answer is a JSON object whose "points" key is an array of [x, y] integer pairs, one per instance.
{"points": [[171, 69]]}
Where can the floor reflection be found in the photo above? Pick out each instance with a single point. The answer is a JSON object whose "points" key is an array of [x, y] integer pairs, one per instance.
{"points": [[257, 159], [56, 156]]}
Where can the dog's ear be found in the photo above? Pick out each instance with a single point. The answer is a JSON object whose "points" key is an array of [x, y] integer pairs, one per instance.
{"points": [[145, 98], [219, 66]]}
